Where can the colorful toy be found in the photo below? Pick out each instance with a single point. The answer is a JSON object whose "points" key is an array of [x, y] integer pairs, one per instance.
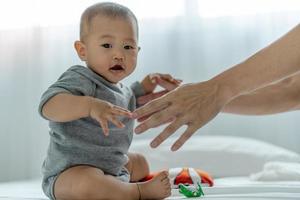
{"points": [[191, 191], [186, 176]]}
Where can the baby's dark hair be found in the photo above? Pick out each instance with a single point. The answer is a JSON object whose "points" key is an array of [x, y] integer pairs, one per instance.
{"points": [[108, 9]]}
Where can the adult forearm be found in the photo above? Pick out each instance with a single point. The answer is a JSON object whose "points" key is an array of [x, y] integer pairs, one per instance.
{"points": [[259, 103], [66, 107], [277, 61], [275, 98]]}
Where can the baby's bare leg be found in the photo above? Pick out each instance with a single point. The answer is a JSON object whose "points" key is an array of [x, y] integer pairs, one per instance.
{"points": [[137, 166], [157, 188], [85, 182]]}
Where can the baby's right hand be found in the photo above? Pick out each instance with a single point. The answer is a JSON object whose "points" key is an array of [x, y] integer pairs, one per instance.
{"points": [[103, 111]]}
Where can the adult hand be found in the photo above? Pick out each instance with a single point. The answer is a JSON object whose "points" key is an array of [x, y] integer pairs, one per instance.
{"points": [[150, 82], [192, 104], [149, 97]]}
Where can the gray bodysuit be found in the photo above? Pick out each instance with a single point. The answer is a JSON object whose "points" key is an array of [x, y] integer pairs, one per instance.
{"points": [[82, 142]]}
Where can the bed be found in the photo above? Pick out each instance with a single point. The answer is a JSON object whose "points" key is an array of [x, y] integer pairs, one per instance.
{"points": [[27, 189], [225, 188], [242, 169], [243, 188]]}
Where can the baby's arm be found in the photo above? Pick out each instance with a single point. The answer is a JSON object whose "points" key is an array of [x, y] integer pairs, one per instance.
{"points": [[65, 107], [282, 96]]}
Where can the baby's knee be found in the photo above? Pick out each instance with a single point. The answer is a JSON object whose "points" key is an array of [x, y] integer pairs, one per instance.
{"points": [[81, 189], [75, 183], [142, 163]]}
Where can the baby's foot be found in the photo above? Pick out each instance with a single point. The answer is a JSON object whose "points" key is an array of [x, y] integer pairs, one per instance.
{"points": [[158, 187]]}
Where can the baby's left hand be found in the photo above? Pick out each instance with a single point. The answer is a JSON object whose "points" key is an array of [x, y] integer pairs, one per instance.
{"points": [[151, 81]]}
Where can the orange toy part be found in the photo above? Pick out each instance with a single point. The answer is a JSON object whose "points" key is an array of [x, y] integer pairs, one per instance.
{"points": [[184, 177]]}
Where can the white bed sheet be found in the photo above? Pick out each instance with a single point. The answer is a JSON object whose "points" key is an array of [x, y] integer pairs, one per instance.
{"points": [[225, 188], [245, 189], [30, 189]]}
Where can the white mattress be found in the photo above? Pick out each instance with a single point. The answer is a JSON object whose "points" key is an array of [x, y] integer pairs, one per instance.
{"points": [[30, 189], [242, 188], [225, 188]]}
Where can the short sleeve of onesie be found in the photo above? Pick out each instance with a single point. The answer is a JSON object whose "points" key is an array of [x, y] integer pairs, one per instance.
{"points": [[70, 82]]}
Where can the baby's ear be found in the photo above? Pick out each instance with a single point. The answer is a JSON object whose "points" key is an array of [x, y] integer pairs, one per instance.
{"points": [[80, 49]]}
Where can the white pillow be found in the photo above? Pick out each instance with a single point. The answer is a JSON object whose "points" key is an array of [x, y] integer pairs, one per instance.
{"points": [[278, 171], [221, 156]]}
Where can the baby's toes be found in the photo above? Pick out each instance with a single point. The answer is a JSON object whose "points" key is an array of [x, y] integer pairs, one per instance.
{"points": [[165, 181], [168, 191], [163, 175], [168, 188]]}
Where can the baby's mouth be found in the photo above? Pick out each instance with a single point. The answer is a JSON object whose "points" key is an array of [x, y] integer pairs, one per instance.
{"points": [[117, 68]]}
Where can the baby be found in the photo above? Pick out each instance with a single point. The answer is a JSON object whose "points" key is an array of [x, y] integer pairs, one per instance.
{"points": [[90, 119]]}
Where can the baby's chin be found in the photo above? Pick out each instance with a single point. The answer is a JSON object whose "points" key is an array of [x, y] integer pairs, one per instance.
{"points": [[115, 77]]}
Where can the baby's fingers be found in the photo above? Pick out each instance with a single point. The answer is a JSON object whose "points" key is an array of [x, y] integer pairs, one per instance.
{"points": [[177, 81], [167, 84], [104, 125], [116, 122], [121, 111], [168, 77]]}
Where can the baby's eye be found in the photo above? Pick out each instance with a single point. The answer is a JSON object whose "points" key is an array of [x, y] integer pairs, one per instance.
{"points": [[128, 47], [106, 45]]}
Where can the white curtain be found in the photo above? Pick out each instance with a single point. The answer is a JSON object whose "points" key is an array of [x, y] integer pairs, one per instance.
{"points": [[190, 39]]}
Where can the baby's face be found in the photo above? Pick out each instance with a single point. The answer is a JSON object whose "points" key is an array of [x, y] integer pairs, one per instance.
{"points": [[111, 47]]}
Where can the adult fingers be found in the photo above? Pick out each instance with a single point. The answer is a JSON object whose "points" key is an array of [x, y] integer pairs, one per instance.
{"points": [[184, 137], [144, 118], [154, 120], [151, 107], [167, 132]]}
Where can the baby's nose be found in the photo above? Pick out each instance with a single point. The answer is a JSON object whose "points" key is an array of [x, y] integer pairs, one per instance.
{"points": [[118, 55]]}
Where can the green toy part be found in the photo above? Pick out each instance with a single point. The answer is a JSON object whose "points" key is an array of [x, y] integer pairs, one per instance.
{"points": [[190, 191]]}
